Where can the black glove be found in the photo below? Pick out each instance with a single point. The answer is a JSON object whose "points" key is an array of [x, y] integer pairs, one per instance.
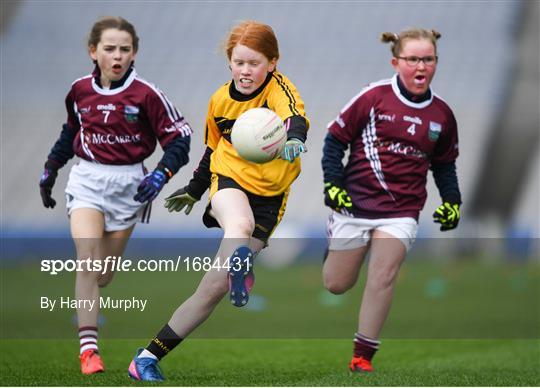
{"points": [[46, 183], [447, 215], [180, 199], [336, 197]]}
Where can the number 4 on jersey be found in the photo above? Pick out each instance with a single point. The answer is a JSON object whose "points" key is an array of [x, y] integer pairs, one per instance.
{"points": [[412, 129]]}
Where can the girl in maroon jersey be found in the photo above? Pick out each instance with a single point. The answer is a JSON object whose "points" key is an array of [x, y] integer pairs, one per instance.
{"points": [[114, 120], [395, 131]]}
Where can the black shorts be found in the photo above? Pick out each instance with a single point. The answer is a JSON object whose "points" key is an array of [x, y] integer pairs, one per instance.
{"points": [[267, 211]]}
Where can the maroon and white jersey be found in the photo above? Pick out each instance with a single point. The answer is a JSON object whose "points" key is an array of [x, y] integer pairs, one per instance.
{"points": [[392, 143], [120, 126]]}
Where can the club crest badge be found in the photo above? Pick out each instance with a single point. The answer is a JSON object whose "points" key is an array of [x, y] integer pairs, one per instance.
{"points": [[131, 113], [434, 131]]}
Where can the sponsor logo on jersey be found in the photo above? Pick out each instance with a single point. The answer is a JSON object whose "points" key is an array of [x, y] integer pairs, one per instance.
{"points": [[400, 148], [414, 120], [98, 138], [224, 124], [109, 106], [85, 110], [131, 113], [434, 130], [390, 118]]}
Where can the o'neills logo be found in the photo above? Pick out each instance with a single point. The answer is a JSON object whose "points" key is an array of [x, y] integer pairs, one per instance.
{"points": [[415, 119], [115, 139], [109, 106], [272, 133]]}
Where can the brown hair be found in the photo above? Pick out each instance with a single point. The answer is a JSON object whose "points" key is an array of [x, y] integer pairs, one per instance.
{"points": [[115, 22], [396, 40], [257, 36]]}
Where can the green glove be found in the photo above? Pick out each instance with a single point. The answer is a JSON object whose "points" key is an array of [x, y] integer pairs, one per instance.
{"points": [[336, 197], [180, 199], [447, 215]]}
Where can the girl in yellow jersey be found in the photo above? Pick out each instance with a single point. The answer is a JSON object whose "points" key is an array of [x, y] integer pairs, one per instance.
{"points": [[247, 200]]}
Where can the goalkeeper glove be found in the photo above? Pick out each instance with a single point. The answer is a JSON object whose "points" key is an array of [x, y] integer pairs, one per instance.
{"points": [[447, 215], [46, 183], [151, 185], [180, 199], [336, 197], [293, 148]]}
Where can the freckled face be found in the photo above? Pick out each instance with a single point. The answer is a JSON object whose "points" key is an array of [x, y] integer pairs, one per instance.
{"points": [[249, 68]]}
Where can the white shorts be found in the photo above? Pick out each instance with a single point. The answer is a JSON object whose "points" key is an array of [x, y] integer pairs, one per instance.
{"points": [[109, 189], [349, 233]]}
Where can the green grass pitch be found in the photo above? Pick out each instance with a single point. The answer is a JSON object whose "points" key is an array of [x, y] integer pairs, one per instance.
{"points": [[451, 324], [271, 362]]}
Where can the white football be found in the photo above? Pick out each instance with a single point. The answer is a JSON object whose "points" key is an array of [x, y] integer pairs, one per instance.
{"points": [[259, 135]]}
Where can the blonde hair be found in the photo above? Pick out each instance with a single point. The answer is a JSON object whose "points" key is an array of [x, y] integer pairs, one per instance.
{"points": [[396, 40], [255, 35]]}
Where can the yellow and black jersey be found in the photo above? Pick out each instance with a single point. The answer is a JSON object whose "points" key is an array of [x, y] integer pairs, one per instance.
{"points": [[226, 105]]}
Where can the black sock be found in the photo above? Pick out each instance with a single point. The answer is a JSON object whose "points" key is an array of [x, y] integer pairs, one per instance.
{"points": [[165, 341]]}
